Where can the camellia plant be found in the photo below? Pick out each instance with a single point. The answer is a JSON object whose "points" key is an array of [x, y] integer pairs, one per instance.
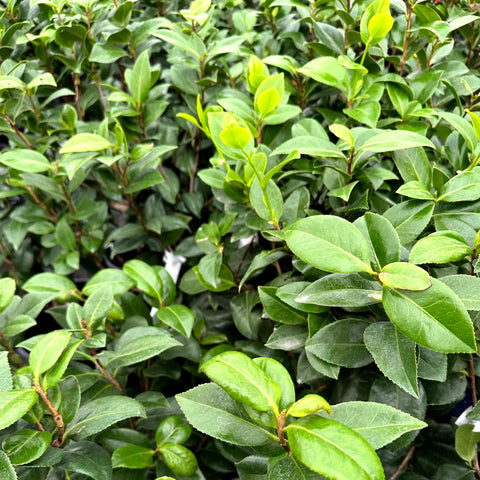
{"points": [[239, 239]]}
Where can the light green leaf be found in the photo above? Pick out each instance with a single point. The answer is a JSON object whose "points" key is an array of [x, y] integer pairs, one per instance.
{"points": [[434, 318], [47, 351], [140, 78], [25, 160], [382, 238], [236, 137], [466, 441], [7, 472], [394, 354], [310, 403], [326, 70], [309, 145], [98, 305], [179, 317], [145, 278], [390, 140], [404, 276], [6, 382], [85, 142], [179, 459], [99, 413], [332, 449], [7, 292], [415, 189], [119, 282], [379, 26], [213, 412], [329, 243], [440, 247], [244, 381], [466, 287], [464, 187], [340, 290], [54, 375], [14, 404], [379, 424], [132, 456]]}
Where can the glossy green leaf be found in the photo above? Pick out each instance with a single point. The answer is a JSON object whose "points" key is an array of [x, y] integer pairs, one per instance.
{"points": [[25, 160], [172, 430], [244, 381], [179, 459], [117, 280], [326, 70], [341, 343], [26, 445], [329, 243], [6, 381], [394, 354], [179, 317], [278, 310], [381, 237], [7, 292], [466, 442], [310, 403], [47, 351], [145, 278], [434, 318], [312, 146], [132, 456], [140, 78], [88, 459], [98, 305], [98, 414], [379, 26], [404, 276], [340, 290], [463, 187], [379, 424], [213, 412], [415, 189], [85, 142], [332, 449], [390, 140], [440, 247], [6, 468], [55, 374], [466, 287], [14, 404]]}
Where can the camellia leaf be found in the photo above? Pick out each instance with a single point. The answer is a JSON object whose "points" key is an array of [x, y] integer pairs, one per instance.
{"points": [[25, 160], [26, 445], [333, 450], [47, 351], [268, 101], [404, 276], [415, 189], [434, 318], [179, 317], [394, 354], [390, 140], [172, 430], [7, 292], [244, 380], [213, 412], [466, 441], [87, 459], [341, 343], [132, 456], [440, 247], [7, 471], [467, 288], [464, 187], [308, 404], [382, 238], [329, 243], [236, 137], [326, 70], [85, 142], [119, 282], [145, 277], [140, 78], [14, 404], [379, 424], [180, 459], [379, 26], [98, 414], [340, 290]]}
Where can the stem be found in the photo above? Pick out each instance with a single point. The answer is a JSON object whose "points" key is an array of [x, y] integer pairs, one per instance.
{"points": [[198, 142], [76, 83], [18, 132], [107, 375], [57, 417], [35, 109], [430, 58], [41, 204], [404, 463], [365, 52], [281, 426], [407, 35]]}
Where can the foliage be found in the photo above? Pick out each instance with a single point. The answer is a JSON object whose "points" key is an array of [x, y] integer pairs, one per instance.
{"points": [[239, 239]]}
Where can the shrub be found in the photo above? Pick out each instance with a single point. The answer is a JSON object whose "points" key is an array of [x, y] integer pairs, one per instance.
{"points": [[281, 197]]}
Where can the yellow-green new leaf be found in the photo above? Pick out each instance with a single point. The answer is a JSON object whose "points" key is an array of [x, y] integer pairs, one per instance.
{"points": [[332, 449], [14, 404], [244, 381], [86, 142], [308, 404], [404, 276], [379, 26]]}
